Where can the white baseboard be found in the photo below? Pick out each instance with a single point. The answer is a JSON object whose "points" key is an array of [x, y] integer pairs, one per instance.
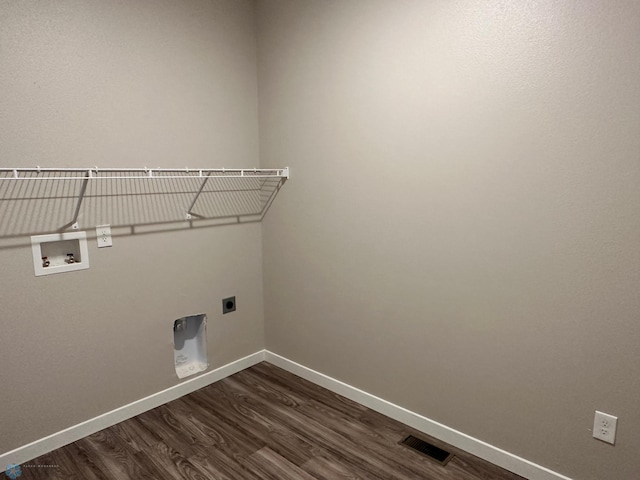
{"points": [[69, 435], [495, 455]]}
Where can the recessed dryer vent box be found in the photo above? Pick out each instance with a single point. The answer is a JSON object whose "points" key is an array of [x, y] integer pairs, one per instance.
{"points": [[59, 253], [190, 345]]}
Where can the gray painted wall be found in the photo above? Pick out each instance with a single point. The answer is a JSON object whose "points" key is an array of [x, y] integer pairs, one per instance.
{"points": [[460, 235], [121, 84]]}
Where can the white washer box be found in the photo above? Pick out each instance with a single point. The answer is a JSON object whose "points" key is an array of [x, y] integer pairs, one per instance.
{"points": [[64, 252]]}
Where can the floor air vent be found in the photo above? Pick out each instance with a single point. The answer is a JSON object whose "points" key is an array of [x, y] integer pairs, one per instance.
{"points": [[426, 449]]}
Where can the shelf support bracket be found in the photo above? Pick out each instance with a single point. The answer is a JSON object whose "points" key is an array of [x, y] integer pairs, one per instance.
{"points": [[204, 182], [74, 222]]}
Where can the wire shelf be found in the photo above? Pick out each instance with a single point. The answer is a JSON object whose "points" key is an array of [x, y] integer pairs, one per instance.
{"points": [[57, 199]]}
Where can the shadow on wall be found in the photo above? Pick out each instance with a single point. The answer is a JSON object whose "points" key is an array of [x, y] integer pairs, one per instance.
{"points": [[50, 202]]}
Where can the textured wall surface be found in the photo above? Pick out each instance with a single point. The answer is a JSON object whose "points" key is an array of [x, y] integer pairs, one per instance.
{"points": [[460, 235], [461, 232], [121, 84]]}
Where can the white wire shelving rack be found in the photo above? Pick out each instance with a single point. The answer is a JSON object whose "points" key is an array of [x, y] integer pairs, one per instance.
{"points": [[262, 183]]}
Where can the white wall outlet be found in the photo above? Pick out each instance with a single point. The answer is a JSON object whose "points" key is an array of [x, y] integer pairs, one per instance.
{"points": [[103, 236], [604, 427]]}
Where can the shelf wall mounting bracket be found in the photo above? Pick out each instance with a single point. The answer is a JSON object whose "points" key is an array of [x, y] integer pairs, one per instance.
{"points": [[195, 199], [74, 222]]}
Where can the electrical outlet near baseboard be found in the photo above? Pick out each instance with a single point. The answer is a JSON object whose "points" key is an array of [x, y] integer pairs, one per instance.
{"points": [[604, 427]]}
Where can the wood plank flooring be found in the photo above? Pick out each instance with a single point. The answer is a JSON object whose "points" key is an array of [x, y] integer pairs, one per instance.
{"points": [[262, 423]]}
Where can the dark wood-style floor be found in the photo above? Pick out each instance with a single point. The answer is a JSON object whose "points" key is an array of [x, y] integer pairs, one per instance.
{"points": [[262, 423]]}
